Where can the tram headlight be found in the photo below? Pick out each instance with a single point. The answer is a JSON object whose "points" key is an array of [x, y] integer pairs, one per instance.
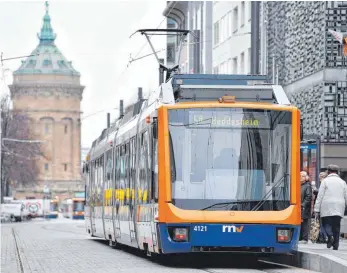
{"points": [[284, 235], [180, 234]]}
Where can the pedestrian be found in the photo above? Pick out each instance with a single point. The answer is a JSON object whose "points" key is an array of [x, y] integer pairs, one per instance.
{"points": [[306, 197], [322, 239], [314, 197], [330, 205]]}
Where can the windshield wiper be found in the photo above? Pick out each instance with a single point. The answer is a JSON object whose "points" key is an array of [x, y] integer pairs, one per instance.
{"points": [[227, 203], [266, 196]]}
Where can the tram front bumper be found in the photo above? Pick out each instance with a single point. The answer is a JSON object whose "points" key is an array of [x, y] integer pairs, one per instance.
{"points": [[252, 238]]}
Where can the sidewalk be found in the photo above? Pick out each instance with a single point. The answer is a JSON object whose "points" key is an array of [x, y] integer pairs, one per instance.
{"points": [[318, 257]]}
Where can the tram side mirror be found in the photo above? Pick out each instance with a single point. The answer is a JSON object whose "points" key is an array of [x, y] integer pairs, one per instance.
{"points": [[301, 130], [155, 129]]}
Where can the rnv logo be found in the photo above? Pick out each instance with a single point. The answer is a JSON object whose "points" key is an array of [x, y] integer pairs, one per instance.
{"points": [[229, 228]]}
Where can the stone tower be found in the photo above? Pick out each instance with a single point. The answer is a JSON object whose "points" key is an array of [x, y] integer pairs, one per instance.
{"points": [[48, 89]]}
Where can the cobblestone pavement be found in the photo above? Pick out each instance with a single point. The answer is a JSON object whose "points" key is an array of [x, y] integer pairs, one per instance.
{"points": [[54, 246]]}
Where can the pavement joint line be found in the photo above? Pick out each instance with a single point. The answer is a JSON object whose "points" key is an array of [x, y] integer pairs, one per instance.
{"points": [[17, 251]]}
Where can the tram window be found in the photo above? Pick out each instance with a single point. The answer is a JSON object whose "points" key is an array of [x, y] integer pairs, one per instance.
{"points": [[109, 165], [87, 180], [149, 166], [155, 187], [132, 169], [108, 178], [101, 180], [126, 171], [118, 168], [122, 171], [144, 182]]}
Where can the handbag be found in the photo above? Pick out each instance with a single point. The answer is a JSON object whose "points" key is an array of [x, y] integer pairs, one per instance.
{"points": [[314, 230]]}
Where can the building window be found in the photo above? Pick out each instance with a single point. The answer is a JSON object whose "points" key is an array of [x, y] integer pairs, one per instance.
{"points": [[235, 19], [235, 65], [65, 167], [216, 33], [31, 64], [47, 63], [243, 12], [46, 128], [249, 10], [242, 65], [46, 167], [62, 64], [65, 129]]}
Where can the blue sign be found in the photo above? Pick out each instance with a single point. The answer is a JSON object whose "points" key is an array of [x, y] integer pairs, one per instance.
{"points": [[308, 146], [80, 194]]}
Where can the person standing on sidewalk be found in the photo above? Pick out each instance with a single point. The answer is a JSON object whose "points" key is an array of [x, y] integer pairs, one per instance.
{"points": [[306, 197], [322, 239], [330, 205]]}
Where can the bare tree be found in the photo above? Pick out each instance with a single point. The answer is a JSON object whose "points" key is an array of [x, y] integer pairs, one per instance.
{"points": [[18, 158]]}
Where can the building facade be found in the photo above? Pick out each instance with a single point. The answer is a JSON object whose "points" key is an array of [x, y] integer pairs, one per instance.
{"points": [[306, 59], [232, 37], [47, 88], [196, 54]]}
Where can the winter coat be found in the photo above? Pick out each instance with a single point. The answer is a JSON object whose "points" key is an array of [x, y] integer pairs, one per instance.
{"points": [[306, 198], [332, 197]]}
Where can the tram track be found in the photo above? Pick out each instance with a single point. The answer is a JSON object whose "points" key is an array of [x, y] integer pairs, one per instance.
{"points": [[19, 259]]}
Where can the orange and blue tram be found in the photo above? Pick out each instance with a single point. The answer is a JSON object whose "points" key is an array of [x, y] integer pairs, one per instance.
{"points": [[205, 163]]}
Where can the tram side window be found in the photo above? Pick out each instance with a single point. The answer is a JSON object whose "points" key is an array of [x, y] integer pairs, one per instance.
{"points": [[132, 170], [148, 149], [117, 172], [155, 187], [91, 184], [87, 181], [100, 182], [122, 174], [108, 179], [143, 166], [95, 182], [97, 174], [127, 170]]}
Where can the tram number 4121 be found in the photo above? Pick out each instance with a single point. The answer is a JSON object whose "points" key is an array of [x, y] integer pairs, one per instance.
{"points": [[200, 228]]}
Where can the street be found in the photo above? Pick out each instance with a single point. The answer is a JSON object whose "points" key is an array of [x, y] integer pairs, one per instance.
{"points": [[61, 245]]}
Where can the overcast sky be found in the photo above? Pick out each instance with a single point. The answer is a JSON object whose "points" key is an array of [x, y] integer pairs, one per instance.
{"points": [[94, 35]]}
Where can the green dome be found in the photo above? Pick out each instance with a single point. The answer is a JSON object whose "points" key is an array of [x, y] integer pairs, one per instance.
{"points": [[47, 57]]}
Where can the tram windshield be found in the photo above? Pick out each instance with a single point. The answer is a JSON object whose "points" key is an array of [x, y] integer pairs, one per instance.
{"points": [[230, 158], [54, 206], [78, 206]]}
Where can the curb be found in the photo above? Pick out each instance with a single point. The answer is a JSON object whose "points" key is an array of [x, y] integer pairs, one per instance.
{"points": [[312, 261]]}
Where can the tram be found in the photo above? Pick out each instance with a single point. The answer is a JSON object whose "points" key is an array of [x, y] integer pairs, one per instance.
{"points": [[205, 163], [53, 209], [73, 208]]}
